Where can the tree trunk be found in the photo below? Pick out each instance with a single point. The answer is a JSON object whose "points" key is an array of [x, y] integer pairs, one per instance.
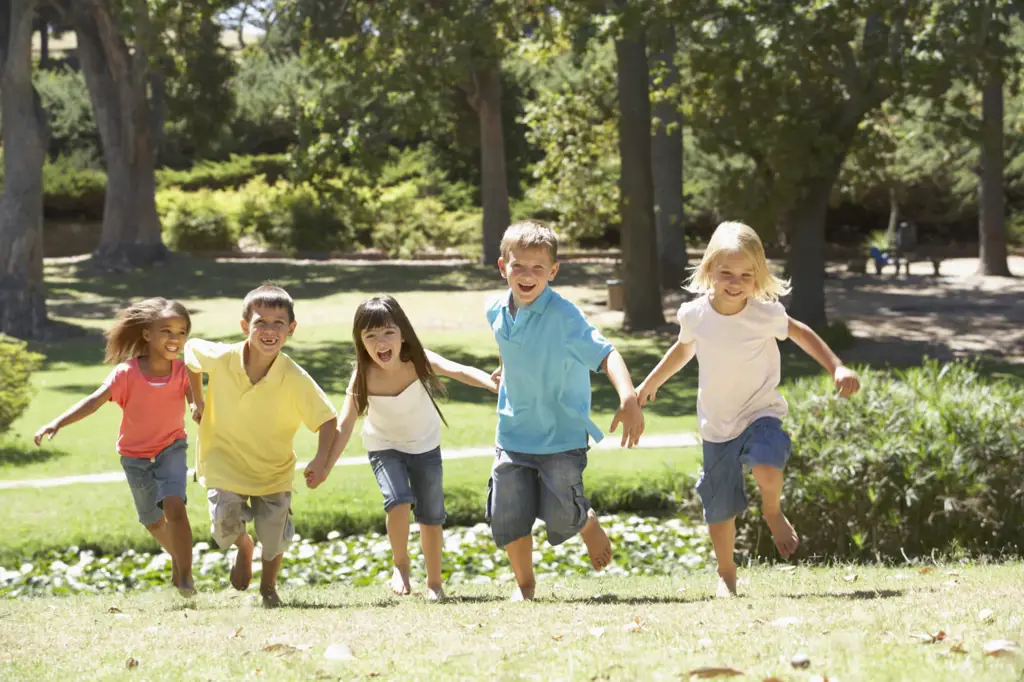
{"points": [[641, 284], [806, 262], [991, 206], [25, 134], [44, 44], [117, 79], [667, 158], [894, 216], [485, 98]]}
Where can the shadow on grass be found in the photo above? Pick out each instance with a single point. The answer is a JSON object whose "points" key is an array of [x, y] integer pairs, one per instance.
{"points": [[319, 605], [18, 453], [635, 600], [856, 595], [474, 599]]}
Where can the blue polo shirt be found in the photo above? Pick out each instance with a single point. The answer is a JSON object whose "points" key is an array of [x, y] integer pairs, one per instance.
{"points": [[548, 352]]}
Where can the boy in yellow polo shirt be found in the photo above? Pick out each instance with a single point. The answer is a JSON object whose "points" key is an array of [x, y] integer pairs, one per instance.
{"points": [[256, 401]]}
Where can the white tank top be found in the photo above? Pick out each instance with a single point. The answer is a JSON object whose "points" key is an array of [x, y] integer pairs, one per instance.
{"points": [[407, 422]]}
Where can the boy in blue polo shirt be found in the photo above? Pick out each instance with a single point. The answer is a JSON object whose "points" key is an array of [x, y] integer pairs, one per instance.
{"points": [[547, 349]]}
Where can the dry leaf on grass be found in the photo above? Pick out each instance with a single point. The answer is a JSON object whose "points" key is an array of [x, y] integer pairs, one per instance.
{"points": [[957, 648], [280, 648], [800, 661], [850, 578], [236, 634], [131, 663], [985, 615], [926, 570], [708, 673], [557, 638], [929, 638], [596, 632], [339, 651], [1001, 647], [636, 625], [114, 609]]}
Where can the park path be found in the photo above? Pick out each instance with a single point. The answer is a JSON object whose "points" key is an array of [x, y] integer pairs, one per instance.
{"points": [[611, 442]]}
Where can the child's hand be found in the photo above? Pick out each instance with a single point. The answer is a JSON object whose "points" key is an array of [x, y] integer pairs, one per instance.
{"points": [[316, 473], [645, 393], [197, 411], [496, 377], [632, 420], [847, 381], [50, 430]]}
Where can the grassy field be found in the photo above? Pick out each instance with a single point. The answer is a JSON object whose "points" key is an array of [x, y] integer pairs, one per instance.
{"points": [[850, 624]]}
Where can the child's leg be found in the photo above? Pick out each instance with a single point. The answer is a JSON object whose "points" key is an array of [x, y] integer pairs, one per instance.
{"points": [[512, 507], [145, 488], [566, 510], [769, 480], [723, 540], [426, 476], [272, 515], [227, 526], [180, 535], [392, 474]]}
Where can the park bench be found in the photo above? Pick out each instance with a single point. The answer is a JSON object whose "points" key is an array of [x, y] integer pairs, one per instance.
{"points": [[904, 249]]}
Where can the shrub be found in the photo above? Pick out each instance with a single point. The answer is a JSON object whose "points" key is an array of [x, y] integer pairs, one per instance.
{"points": [[408, 223], [294, 217], [930, 459], [71, 189], [68, 111], [225, 174], [16, 366], [197, 221]]}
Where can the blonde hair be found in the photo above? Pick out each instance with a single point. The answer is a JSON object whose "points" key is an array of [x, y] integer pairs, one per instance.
{"points": [[733, 237], [529, 234]]}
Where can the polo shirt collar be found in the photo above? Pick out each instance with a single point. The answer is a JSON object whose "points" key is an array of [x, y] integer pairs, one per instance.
{"points": [[240, 365], [538, 306]]}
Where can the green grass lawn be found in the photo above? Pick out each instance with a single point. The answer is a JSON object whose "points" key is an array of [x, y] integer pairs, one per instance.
{"points": [[878, 626]]}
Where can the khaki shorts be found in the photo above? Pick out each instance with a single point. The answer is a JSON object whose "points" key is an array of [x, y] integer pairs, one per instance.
{"points": [[272, 514]]}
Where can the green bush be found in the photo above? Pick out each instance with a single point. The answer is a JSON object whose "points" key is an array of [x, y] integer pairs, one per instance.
{"points": [[197, 221], [225, 174], [294, 218], [70, 189], [408, 223], [16, 366], [921, 461], [69, 113], [267, 91]]}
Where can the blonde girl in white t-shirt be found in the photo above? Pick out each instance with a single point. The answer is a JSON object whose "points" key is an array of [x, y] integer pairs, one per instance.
{"points": [[393, 386], [733, 329]]}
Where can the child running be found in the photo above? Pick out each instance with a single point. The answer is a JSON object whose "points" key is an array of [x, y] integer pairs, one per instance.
{"points": [[733, 328], [548, 349], [257, 398], [393, 385], [151, 385]]}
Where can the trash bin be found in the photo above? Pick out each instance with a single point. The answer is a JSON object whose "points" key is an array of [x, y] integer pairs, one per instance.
{"points": [[615, 294]]}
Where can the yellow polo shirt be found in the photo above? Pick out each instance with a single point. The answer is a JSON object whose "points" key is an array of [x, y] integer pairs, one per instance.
{"points": [[247, 431]]}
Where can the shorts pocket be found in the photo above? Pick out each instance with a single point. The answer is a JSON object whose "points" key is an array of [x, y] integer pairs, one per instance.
{"points": [[580, 505], [490, 499]]}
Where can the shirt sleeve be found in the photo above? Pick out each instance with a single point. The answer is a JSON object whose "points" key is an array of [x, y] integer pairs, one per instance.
{"points": [[200, 355], [313, 405], [585, 343], [685, 324], [117, 382], [778, 320], [492, 310]]}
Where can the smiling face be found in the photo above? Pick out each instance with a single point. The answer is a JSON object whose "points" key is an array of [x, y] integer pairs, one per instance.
{"points": [[383, 345], [734, 280], [528, 271], [268, 329], [166, 337]]}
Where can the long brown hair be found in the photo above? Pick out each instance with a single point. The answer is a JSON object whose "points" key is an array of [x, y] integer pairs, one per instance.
{"points": [[382, 311], [125, 339]]}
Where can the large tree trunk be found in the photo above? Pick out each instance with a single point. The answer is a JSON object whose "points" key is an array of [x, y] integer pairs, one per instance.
{"points": [[485, 98], [25, 134], [117, 78], [667, 158], [641, 285], [991, 207], [806, 261]]}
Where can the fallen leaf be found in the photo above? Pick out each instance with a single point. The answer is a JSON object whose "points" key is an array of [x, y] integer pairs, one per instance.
{"points": [[131, 663], [708, 673], [280, 648], [787, 568], [596, 632], [800, 661], [784, 622], [1001, 647], [339, 651], [957, 648], [114, 609], [373, 674], [850, 578], [926, 570], [985, 615], [929, 638], [237, 633], [637, 625], [557, 638]]}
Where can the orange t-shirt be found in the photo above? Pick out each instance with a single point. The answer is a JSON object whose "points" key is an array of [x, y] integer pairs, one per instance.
{"points": [[153, 408]]}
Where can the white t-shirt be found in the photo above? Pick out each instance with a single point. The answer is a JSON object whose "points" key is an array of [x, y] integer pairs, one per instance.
{"points": [[407, 422], [739, 364]]}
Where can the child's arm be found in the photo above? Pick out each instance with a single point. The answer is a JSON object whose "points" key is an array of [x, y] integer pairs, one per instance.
{"points": [[496, 374], [629, 413], [82, 409], [320, 468], [846, 379], [195, 395], [471, 376], [674, 361]]}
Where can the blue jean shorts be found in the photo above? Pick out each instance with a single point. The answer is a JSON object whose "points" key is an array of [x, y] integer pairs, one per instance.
{"points": [[721, 482], [524, 488], [154, 480], [412, 479]]}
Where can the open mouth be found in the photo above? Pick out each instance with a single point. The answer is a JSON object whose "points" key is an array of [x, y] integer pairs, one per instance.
{"points": [[527, 288], [171, 349], [268, 343], [385, 355]]}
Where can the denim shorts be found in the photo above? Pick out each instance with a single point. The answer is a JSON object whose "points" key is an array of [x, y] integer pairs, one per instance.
{"points": [[721, 482], [153, 480], [412, 479], [271, 516], [524, 488]]}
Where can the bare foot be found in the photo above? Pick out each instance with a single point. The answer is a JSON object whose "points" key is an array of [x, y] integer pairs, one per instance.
{"points": [[400, 581], [599, 547], [174, 572], [241, 572], [435, 593], [726, 584], [187, 589], [524, 593], [786, 539], [270, 599]]}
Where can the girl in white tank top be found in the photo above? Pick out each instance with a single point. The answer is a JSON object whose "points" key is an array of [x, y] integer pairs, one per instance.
{"points": [[393, 387]]}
